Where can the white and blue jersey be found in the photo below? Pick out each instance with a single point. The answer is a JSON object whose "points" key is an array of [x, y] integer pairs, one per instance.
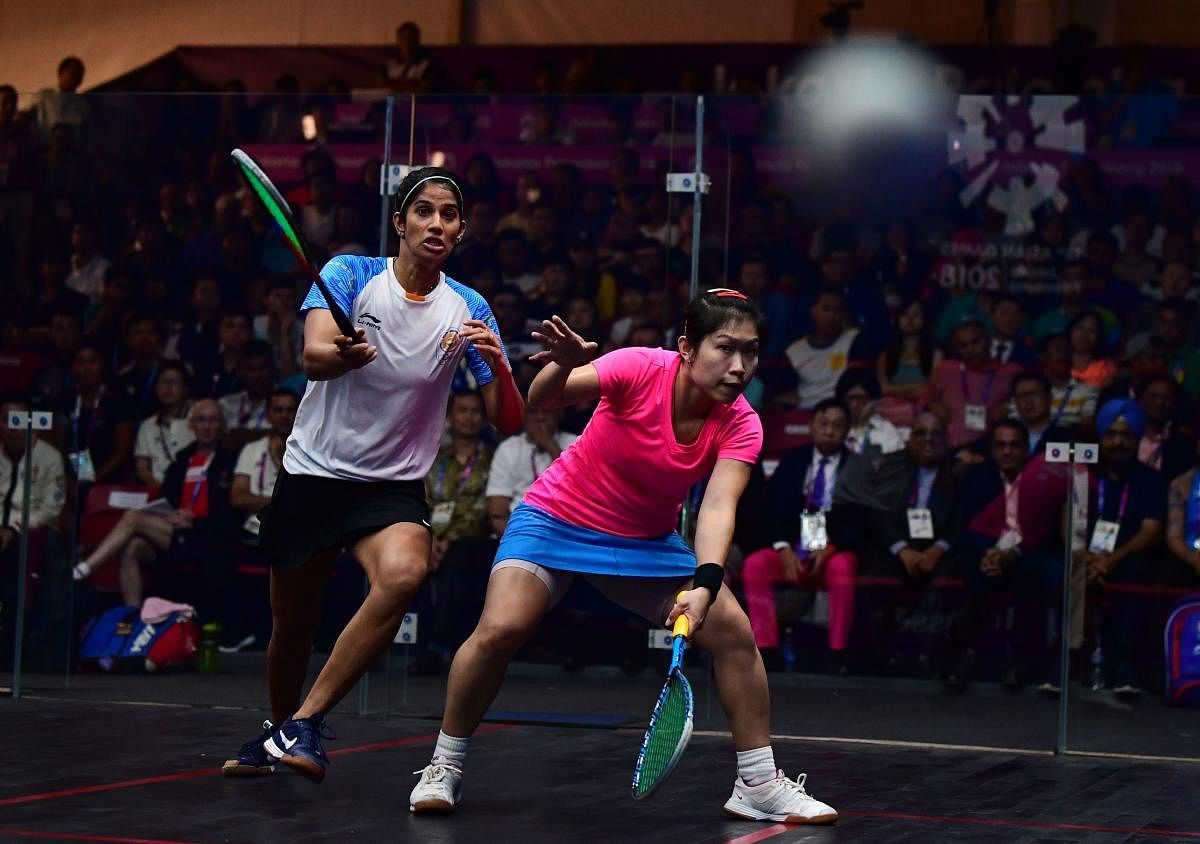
{"points": [[384, 422]]}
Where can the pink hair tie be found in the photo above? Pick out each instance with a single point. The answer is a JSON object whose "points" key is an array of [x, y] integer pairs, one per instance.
{"points": [[725, 291]]}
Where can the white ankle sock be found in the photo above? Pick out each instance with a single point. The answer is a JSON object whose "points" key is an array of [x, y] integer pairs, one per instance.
{"points": [[450, 750], [756, 766]]}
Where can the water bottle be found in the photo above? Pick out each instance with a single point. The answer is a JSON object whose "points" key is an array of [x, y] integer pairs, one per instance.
{"points": [[208, 655], [1097, 669], [789, 650]]}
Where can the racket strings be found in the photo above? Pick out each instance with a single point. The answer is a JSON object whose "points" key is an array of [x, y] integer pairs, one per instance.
{"points": [[665, 734]]}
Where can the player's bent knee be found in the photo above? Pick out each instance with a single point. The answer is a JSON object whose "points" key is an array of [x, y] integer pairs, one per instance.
{"points": [[399, 578], [502, 636]]}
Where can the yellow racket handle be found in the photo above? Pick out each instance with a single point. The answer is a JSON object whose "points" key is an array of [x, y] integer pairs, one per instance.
{"points": [[682, 625]]}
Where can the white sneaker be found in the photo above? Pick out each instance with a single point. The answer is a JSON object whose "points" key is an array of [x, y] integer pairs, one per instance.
{"points": [[781, 800], [439, 790]]}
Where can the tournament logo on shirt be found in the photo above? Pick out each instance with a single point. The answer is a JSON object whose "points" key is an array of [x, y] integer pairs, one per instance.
{"points": [[451, 338]]}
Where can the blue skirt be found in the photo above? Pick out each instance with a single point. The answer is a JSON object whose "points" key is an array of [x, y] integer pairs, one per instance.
{"points": [[536, 536]]}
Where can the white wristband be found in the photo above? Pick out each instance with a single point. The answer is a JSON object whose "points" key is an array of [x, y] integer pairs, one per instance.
{"points": [[781, 545]]}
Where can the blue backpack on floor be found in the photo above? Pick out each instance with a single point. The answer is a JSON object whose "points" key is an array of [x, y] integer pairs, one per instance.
{"points": [[1182, 647]]}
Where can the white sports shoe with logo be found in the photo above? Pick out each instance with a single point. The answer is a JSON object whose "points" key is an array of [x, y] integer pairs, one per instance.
{"points": [[781, 800], [439, 790]]}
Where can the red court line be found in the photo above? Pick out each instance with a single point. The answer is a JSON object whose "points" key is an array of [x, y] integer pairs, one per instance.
{"points": [[208, 772], [768, 832], [900, 816], [74, 836]]}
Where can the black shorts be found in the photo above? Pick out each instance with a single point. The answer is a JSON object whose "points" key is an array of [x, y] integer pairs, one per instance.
{"points": [[309, 514]]}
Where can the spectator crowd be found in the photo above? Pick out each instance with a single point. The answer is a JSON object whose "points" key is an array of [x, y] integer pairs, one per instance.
{"points": [[921, 376]]}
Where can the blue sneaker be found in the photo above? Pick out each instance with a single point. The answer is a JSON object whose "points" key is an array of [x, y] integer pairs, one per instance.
{"points": [[297, 744], [252, 760]]}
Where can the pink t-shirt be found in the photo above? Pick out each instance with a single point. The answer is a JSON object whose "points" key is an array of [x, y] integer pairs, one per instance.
{"points": [[626, 475]]}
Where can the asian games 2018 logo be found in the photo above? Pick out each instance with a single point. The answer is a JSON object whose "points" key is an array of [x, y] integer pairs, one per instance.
{"points": [[1013, 150], [451, 340]]}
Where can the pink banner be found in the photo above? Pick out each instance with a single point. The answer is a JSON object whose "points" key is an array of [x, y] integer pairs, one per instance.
{"points": [[777, 166]]}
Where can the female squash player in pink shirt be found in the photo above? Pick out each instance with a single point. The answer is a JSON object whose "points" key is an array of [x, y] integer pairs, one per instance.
{"points": [[606, 510]]}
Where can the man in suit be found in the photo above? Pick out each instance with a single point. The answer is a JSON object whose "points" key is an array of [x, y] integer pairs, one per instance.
{"points": [[806, 535], [1008, 336], [917, 528], [1031, 398], [1012, 511]]}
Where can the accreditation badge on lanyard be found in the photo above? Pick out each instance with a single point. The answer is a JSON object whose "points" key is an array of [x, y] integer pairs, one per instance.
{"points": [[920, 523], [442, 513], [1104, 534], [85, 469], [975, 414], [813, 535]]}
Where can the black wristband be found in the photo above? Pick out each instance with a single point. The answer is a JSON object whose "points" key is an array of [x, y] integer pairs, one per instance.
{"points": [[710, 576]]}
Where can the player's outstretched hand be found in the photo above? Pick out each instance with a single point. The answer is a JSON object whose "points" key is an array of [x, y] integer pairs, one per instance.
{"points": [[694, 604], [355, 353], [563, 346], [486, 342]]}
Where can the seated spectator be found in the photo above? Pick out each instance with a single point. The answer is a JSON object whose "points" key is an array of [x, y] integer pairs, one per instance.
{"points": [[632, 304], [972, 392], [102, 430], [1134, 265], [917, 527], [805, 527], [512, 254], [858, 390], [219, 376], [1162, 446], [1089, 362], [1104, 287], [820, 358], [163, 435], [46, 496], [509, 307], [1183, 518], [197, 342], [88, 266], [260, 460], [461, 558], [197, 486], [135, 383], [519, 460], [552, 296], [1072, 404], [905, 367], [1032, 406], [55, 382], [247, 408], [1183, 360], [282, 327], [1074, 283], [1008, 332], [544, 240], [1174, 282], [1125, 528], [53, 296], [528, 192], [1012, 510], [318, 216]]}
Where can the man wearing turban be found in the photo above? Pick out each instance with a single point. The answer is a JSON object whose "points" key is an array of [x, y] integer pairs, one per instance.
{"points": [[1125, 529]]}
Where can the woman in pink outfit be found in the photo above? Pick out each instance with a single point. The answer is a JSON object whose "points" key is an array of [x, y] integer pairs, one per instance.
{"points": [[606, 511]]}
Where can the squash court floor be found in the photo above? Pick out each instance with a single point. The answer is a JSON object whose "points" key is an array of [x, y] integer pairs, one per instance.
{"points": [[137, 759]]}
